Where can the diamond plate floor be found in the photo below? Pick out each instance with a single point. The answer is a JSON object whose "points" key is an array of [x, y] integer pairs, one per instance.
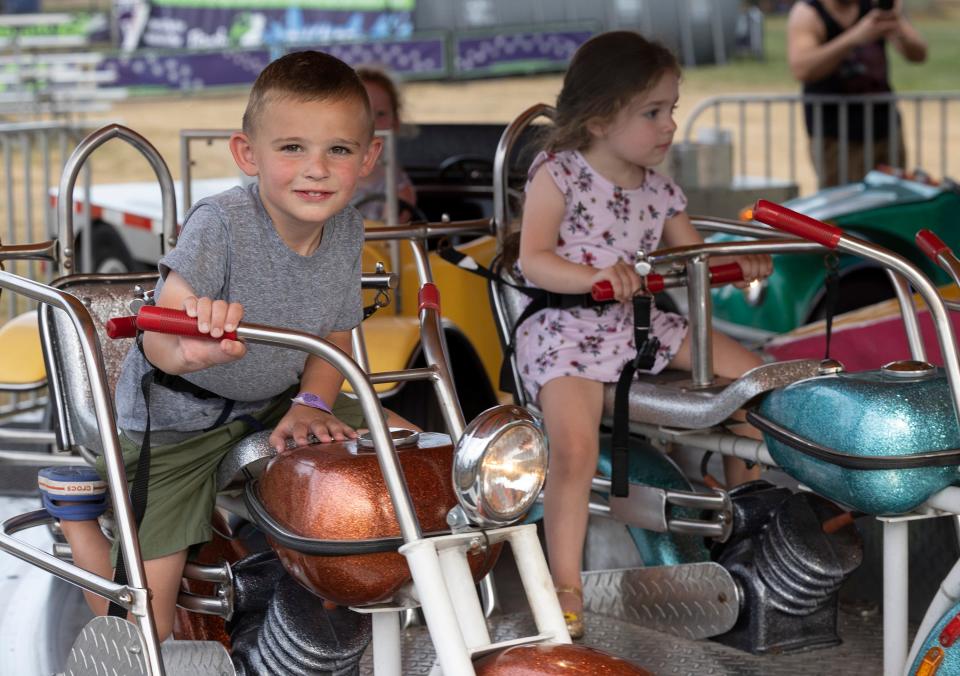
{"points": [[861, 651]]}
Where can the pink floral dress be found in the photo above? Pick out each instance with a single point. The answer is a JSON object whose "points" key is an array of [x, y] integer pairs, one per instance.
{"points": [[602, 222]]}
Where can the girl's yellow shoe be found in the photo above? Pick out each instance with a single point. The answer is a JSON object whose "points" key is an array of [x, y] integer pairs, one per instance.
{"points": [[574, 620]]}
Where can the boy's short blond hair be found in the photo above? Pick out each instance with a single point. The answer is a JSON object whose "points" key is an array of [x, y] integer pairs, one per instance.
{"points": [[304, 76]]}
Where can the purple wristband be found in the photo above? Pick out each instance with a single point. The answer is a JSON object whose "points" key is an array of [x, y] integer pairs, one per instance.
{"points": [[311, 400]]}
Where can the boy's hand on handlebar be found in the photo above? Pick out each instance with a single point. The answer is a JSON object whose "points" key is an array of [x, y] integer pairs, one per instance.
{"points": [[623, 278], [213, 318], [302, 421], [755, 267]]}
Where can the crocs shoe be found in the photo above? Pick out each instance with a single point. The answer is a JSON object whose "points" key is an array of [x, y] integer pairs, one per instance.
{"points": [[72, 493]]}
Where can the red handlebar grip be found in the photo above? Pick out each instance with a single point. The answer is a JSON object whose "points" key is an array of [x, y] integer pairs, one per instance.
{"points": [[121, 327], [176, 322], [725, 274], [788, 220], [930, 244], [602, 290], [655, 283], [429, 297]]}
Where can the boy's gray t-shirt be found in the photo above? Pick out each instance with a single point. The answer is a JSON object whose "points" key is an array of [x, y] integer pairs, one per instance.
{"points": [[228, 249]]}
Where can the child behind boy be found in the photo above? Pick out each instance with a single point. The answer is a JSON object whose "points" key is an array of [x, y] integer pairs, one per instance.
{"points": [[386, 107], [285, 251]]}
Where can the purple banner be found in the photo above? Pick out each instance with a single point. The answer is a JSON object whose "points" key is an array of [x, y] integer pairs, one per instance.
{"points": [[197, 27], [196, 70], [188, 70], [516, 52]]}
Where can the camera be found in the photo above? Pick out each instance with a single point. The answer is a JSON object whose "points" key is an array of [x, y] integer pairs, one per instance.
{"points": [[885, 5]]}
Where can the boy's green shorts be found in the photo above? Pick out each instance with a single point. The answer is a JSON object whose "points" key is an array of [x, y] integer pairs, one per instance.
{"points": [[182, 488]]}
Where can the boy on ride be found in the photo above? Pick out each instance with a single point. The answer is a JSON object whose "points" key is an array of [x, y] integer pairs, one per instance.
{"points": [[284, 250], [592, 201]]}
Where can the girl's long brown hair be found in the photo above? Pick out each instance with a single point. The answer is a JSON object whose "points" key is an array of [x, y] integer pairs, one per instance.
{"points": [[606, 72]]}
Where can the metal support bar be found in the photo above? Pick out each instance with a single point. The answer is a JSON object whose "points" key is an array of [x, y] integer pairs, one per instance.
{"points": [[34, 459], [219, 606], [135, 596], [895, 596], [69, 179], [386, 644], [122, 595], [909, 313], [501, 164], [699, 309]]}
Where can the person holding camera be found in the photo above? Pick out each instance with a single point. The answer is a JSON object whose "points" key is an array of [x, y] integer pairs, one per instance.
{"points": [[838, 47]]}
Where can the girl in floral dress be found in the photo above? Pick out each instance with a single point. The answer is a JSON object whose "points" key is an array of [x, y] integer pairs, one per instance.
{"points": [[592, 201]]}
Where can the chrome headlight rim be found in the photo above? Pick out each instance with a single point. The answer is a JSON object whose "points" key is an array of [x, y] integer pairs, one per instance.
{"points": [[479, 436]]}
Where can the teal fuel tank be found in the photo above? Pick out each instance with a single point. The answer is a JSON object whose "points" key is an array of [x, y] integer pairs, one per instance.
{"points": [[880, 442]]}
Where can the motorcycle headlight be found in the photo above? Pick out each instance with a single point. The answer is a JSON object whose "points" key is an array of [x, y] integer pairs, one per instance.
{"points": [[499, 465]]}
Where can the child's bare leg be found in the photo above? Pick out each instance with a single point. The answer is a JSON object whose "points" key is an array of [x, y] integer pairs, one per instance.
{"points": [[730, 360], [395, 420], [163, 579], [91, 551], [571, 408]]}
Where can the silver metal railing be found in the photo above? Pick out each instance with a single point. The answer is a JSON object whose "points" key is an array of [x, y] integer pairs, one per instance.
{"points": [[501, 162], [765, 127], [133, 596], [69, 178], [27, 214]]}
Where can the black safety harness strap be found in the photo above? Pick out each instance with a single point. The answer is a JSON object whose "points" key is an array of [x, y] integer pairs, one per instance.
{"points": [[540, 299], [141, 482], [831, 297], [647, 347]]}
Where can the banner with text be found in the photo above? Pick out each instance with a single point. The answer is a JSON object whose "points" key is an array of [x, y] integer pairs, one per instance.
{"points": [[251, 24]]}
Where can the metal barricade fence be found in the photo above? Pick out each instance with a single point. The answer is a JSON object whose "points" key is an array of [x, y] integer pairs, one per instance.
{"points": [[32, 155], [770, 139]]}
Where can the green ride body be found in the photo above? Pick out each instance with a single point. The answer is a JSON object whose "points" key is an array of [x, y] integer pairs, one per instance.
{"points": [[882, 209]]}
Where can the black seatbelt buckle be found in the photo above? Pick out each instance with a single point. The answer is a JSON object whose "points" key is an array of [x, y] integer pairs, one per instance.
{"points": [[647, 354]]}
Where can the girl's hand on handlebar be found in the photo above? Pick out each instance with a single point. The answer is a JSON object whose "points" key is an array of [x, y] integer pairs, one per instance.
{"points": [[302, 421], [623, 278], [213, 318], [755, 267]]}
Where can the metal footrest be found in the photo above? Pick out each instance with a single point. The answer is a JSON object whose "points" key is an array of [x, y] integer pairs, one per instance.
{"points": [[691, 600], [111, 645], [193, 658], [108, 645]]}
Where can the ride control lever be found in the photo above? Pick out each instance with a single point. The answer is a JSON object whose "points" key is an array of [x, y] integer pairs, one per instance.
{"points": [[654, 282]]}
